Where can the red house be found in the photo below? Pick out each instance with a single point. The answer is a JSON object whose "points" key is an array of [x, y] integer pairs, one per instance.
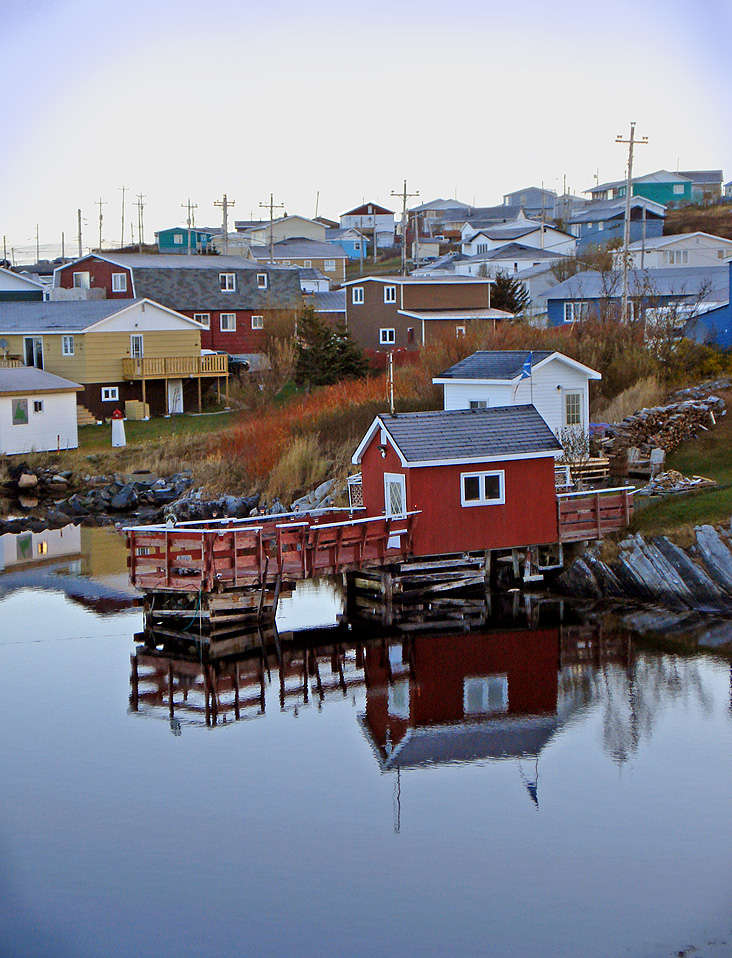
{"points": [[480, 478]]}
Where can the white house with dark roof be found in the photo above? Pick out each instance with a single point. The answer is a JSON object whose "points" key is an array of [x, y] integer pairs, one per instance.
{"points": [[528, 232], [556, 385], [679, 249], [14, 287], [37, 411], [372, 220]]}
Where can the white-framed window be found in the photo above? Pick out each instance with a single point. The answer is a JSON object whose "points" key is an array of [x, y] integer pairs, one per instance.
{"points": [[261, 280], [285, 262], [390, 294], [459, 331], [574, 312], [308, 263], [357, 296], [482, 247], [573, 408], [178, 239], [257, 322], [357, 246], [227, 322], [67, 345], [410, 334], [485, 694], [329, 266], [136, 348], [82, 280], [228, 282], [478, 404], [387, 337], [37, 405], [483, 488], [119, 282], [203, 318], [110, 393], [679, 188]]}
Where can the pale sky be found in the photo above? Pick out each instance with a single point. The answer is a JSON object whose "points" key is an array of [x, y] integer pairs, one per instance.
{"points": [[194, 98]]}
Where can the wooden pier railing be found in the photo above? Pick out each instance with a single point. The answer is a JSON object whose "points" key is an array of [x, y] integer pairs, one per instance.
{"points": [[591, 515], [208, 557]]}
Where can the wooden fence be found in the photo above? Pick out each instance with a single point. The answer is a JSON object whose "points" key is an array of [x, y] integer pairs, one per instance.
{"points": [[591, 515], [209, 557]]}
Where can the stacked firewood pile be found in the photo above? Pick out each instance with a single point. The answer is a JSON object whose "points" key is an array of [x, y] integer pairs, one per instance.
{"points": [[672, 481], [662, 427]]}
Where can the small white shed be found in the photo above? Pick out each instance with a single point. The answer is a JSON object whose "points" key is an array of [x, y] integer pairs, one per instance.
{"points": [[555, 384], [37, 411]]}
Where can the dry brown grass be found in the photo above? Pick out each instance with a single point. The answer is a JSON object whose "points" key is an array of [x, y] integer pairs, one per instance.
{"points": [[300, 469], [641, 395]]}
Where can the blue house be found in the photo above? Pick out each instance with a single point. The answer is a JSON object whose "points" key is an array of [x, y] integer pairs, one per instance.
{"points": [[176, 240], [597, 223], [354, 243], [598, 295], [713, 326]]}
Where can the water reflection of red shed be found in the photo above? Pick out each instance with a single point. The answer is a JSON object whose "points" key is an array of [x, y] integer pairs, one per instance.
{"points": [[480, 478], [462, 697]]}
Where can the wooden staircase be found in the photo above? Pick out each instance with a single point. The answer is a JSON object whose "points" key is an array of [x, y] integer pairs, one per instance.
{"points": [[84, 417]]}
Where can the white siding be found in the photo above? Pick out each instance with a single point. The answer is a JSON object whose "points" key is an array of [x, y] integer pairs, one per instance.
{"points": [[32, 546], [54, 428]]}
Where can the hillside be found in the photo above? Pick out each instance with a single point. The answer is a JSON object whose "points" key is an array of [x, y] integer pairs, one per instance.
{"points": [[716, 220]]}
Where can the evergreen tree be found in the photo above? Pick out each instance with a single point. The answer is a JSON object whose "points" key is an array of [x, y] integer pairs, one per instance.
{"points": [[326, 355], [509, 293]]}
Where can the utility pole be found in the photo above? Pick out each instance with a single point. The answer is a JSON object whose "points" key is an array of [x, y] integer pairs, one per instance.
{"points": [[140, 204], [38, 246], [271, 206], [404, 197], [190, 207], [122, 233], [224, 204], [63, 246], [78, 218], [5, 250], [631, 141], [100, 204]]}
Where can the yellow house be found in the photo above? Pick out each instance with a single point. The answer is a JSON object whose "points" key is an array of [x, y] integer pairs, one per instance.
{"points": [[117, 349]]}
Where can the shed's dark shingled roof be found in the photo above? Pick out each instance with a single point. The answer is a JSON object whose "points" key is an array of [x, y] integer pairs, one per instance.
{"points": [[200, 290], [470, 433], [494, 364]]}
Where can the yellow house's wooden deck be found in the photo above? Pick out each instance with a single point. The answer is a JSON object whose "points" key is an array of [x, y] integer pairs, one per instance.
{"points": [[178, 367]]}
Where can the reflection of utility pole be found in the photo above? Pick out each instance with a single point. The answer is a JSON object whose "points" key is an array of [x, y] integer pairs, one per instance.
{"points": [[271, 206], [628, 191], [404, 197], [224, 205], [100, 204], [190, 206], [397, 801]]}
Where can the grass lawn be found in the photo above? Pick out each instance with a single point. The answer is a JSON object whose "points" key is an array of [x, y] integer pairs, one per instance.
{"points": [[138, 433]]}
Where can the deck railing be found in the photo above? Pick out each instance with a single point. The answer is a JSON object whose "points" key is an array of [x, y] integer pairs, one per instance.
{"points": [[198, 557], [175, 367], [11, 363], [591, 515]]}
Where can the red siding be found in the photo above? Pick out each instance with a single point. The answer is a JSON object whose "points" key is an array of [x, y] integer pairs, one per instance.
{"points": [[243, 339], [528, 516], [100, 276]]}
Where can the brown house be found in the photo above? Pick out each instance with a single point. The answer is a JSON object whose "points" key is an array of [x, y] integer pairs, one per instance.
{"points": [[406, 312]]}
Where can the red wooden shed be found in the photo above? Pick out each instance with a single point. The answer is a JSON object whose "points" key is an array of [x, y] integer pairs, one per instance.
{"points": [[480, 478]]}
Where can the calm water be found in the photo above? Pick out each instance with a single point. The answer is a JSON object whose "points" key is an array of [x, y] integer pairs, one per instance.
{"points": [[553, 791]]}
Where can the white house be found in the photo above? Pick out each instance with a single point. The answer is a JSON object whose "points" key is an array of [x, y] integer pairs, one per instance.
{"points": [[680, 249], [372, 220], [527, 232], [16, 287], [556, 385], [37, 411]]}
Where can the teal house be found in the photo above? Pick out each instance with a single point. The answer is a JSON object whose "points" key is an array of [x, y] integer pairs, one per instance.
{"points": [[669, 189], [176, 240]]}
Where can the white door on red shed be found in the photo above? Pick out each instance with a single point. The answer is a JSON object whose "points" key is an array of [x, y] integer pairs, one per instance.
{"points": [[395, 501]]}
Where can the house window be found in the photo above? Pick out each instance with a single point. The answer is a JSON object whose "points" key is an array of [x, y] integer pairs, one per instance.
{"points": [[261, 280], [20, 412], [203, 318], [410, 334], [485, 694], [110, 393], [677, 257], [390, 294], [357, 297], [387, 337], [482, 247], [82, 280], [37, 405], [228, 282], [329, 266], [42, 548], [285, 262], [67, 345], [257, 322], [227, 322], [308, 263], [178, 239], [119, 282], [357, 247], [678, 188], [459, 331], [136, 346], [478, 404], [573, 409], [574, 312], [482, 488]]}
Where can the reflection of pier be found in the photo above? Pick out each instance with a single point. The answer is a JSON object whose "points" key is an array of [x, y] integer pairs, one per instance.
{"points": [[310, 667]]}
